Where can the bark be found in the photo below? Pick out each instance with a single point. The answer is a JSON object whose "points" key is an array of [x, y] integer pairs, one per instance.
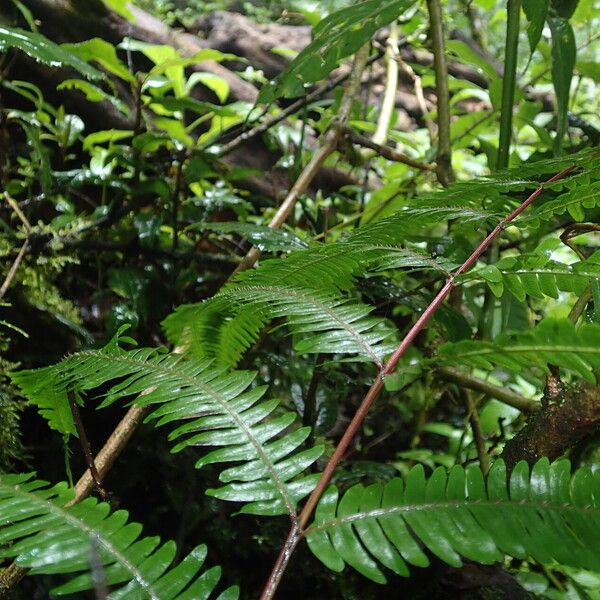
{"points": [[236, 34], [556, 428]]}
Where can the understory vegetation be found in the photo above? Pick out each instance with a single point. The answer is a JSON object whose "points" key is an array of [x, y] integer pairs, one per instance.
{"points": [[299, 299]]}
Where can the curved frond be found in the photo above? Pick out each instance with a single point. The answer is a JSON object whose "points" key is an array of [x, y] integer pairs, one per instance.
{"points": [[545, 515], [574, 201], [307, 288], [322, 322], [338, 35], [86, 540], [552, 342], [221, 410], [500, 191], [537, 276]]}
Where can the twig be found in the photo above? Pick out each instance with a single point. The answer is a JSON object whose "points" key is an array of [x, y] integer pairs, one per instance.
{"points": [[580, 305], [386, 151], [15, 266], [440, 65], [391, 86], [13, 269], [296, 533], [330, 142], [15, 206], [503, 394], [418, 85], [175, 197], [290, 110], [86, 446], [482, 455], [113, 447]]}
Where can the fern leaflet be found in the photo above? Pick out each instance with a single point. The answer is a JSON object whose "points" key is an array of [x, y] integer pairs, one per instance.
{"points": [[42, 534], [546, 515], [220, 409], [552, 342]]}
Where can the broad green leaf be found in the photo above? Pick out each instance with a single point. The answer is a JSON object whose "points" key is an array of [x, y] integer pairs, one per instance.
{"points": [[564, 52], [468, 56], [590, 69], [213, 82], [535, 11], [120, 7], [43, 50], [92, 93], [337, 36], [104, 53], [108, 135]]}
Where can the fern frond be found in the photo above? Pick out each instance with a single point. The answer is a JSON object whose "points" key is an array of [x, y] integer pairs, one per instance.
{"points": [[306, 288], [574, 201], [41, 534], [323, 322], [500, 191], [220, 409], [552, 342], [536, 275], [261, 236], [545, 515]]}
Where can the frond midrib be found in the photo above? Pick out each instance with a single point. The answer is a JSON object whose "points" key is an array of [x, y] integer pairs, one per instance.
{"points": [[444, 504], [220, 400], [312, 299], [65, 515]]}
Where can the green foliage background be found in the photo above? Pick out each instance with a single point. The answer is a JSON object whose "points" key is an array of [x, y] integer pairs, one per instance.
{"points": [[131, 236]]}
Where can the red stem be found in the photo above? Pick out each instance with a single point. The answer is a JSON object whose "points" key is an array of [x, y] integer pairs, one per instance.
{"points": [[297, 531]]}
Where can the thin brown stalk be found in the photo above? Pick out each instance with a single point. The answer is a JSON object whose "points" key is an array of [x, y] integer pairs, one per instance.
{"points": [[421, 102], [503, 394], [478, 437], [440, 65], [288, 111], [113, 447], [86, 446], [386, 151], [21, 254], [296, 532], [15, 206], [328, 146], [13, 269]]}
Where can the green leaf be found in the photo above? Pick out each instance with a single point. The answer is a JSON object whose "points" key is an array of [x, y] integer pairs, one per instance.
{"points": [[44, 535], [104, 53], [590, 69], [537, 276], [213, 82], [552, 342], [43, 50], [337, 36], [546, 515], [535, 11], [468, 56], [218, 409], [564, 53], [120, 7], [107, 135], [93, 93]]}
